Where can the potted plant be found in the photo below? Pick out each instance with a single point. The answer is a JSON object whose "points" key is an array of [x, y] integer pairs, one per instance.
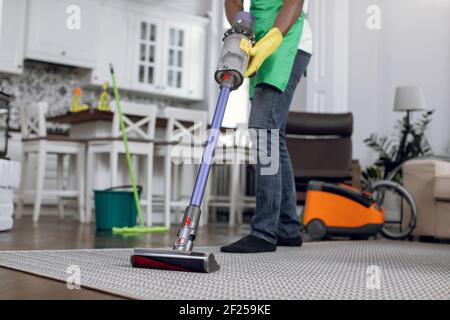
{"points": [[409, 142]]}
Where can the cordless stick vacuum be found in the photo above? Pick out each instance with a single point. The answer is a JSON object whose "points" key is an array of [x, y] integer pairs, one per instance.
{"points": [[230, 76]]}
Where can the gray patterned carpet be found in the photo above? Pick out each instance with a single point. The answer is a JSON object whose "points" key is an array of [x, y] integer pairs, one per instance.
{"points": [[326, 270]]}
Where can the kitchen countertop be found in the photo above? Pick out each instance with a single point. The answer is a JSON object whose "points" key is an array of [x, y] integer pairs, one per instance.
{"points": [[96, 115], [82, 117]]}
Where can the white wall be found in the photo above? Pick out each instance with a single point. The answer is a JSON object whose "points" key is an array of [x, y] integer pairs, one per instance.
{"points": [[363, 78], [417, 41], [412, 48], [356, 69], [196, 7]]}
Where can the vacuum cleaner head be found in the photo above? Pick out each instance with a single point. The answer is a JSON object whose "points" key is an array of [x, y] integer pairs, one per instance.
{"points": [[174, 260]]}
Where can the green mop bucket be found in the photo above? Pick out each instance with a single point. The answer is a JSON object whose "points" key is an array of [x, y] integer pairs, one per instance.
{"points": [[115, 208]]}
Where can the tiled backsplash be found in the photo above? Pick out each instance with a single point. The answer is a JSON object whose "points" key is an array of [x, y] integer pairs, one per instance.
{"points": [[54, 84]]}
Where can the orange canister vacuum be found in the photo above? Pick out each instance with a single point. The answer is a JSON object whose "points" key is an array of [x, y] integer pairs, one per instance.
{"points": [[340, 210]]}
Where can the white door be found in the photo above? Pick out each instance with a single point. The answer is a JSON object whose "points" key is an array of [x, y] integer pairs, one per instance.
{"points": [[177, 58], [146, 69], [113, 47], [12, 35], [54, 36], [327, 80]]}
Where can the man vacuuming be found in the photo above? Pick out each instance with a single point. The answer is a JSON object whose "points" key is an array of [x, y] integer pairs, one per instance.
{"points": [[279, 26], [276, 67]]}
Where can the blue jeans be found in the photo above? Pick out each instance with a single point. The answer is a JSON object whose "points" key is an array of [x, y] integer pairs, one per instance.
{"points": [[276, 200]]}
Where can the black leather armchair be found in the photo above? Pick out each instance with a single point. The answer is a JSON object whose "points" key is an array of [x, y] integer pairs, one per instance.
{"points": [[320, 146]]}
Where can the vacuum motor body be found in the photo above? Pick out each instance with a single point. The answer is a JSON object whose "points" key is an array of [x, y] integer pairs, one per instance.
{"points": [[338, 210], [234, 59]]}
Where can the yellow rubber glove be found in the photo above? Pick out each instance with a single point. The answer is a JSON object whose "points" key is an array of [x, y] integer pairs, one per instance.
{"points": [[263, 49]]}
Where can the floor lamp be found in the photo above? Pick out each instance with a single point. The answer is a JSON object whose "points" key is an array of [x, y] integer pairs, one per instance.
{"points": [[408, 99]]}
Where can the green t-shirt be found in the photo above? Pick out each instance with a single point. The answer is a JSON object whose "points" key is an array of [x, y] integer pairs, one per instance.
{"points": [[276, 70]]}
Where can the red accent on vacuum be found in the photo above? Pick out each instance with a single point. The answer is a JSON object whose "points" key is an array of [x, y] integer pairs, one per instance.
{"points": [[142, 262]]}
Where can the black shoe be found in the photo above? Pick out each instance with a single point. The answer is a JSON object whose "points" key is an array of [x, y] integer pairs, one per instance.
{"points": [[250, 244], [290, 242]]}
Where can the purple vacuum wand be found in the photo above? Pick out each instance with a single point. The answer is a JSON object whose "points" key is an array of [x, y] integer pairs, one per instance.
{"points": [[230, 76], [208, 155]]}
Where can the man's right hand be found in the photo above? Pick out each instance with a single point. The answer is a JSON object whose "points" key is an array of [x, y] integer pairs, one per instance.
{"points": [[263, 49]]}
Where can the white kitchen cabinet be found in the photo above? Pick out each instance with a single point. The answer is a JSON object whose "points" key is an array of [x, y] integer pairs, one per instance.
{"points": [[169, 58], [147, 62], [176, 58], [51, 38], [12, 36], [197, 63], [113, 47], [153, 52]]}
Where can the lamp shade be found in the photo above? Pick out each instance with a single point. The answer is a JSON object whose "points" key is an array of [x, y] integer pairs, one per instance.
{"points": [[409, 98]]}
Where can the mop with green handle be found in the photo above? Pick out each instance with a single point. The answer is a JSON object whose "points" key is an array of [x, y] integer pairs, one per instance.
{"points": [[141, 228]]}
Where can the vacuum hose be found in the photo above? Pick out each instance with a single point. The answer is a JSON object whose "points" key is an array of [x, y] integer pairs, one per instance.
{"points": [[230, 76]]}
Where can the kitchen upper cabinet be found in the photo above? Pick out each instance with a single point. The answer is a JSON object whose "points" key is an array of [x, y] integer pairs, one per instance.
{"points": [[113, 47], [12, 35], [196, 67], [169, 58], [147, 34], [152, 52], [176, 55], [53, 34]]}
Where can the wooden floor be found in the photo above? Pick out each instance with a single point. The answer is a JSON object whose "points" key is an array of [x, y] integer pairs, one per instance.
{"points": [[54, 234]]}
